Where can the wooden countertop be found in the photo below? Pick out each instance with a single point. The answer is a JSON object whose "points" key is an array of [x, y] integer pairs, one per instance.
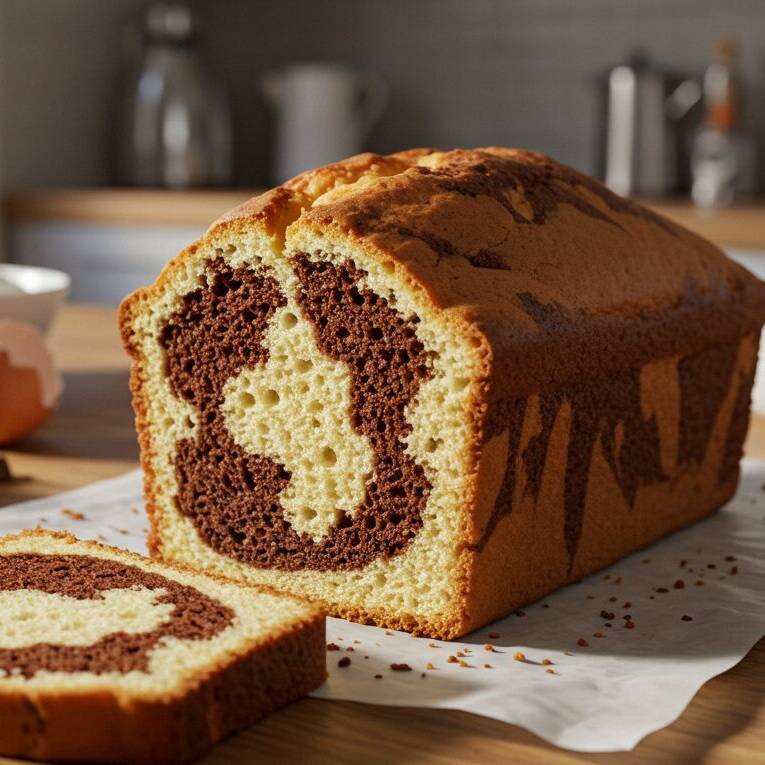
{"points": [[742, 225], [91, 437], [125, 206]]}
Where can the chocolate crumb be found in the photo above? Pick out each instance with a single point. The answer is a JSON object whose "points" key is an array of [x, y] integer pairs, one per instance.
{"points": [[608, 624], [627, 604], [612, 599], [651, 597], [519, 612], [366, 657], [400, 667], [734, 570], [544, 605], [589, 597], [488, 666], [519, 656], [494, 635], [629, 625], [333, 647], [349, 648], [679, 584], [618, 580], [607, 615], [699, 582], [711, 565], [344, 662], [730, 558], [582, 642], [627, 617], [662, 589], [452, 660], [645, 560], [683, 563], [422, 674], [378, 677], [607, 576], [686, 618], [598, 635]]}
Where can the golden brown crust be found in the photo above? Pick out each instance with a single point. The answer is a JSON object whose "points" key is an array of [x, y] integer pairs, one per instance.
{"points": [[556, 281], [231, 694]]}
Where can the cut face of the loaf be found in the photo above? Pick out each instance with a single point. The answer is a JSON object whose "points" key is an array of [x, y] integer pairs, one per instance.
{"points": [[308, 424]]}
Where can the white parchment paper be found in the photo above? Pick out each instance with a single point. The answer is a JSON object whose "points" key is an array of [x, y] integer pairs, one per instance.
{"points": [[625, 683]]}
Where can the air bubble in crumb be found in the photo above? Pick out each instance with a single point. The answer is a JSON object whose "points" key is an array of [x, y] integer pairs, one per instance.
{"points": [[289, 320]]}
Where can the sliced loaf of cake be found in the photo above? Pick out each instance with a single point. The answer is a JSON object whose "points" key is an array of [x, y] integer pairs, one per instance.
{"points": [[106, 656], [426, 389]]}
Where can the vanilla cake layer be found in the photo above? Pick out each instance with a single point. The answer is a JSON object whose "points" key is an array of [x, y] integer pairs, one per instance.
{"points": [[425, 389]]}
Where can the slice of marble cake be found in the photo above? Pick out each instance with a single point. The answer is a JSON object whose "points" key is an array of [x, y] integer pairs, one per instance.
{"points": [[106, 656], [428, 388]]}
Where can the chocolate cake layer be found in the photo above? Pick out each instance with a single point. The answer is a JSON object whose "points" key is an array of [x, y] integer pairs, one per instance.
{"points": [[195, 616], [232, 496]]}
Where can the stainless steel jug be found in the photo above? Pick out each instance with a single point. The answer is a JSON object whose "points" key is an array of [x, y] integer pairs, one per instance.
{"points": [[177, 126], [644, 107]]}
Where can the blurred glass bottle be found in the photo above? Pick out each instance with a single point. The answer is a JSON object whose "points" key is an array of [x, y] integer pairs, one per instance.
{"points": [[723, 157], [176, 129]]}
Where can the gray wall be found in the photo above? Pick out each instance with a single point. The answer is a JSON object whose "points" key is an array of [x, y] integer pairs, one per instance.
{"points": [[58, 67], [462, 72]]}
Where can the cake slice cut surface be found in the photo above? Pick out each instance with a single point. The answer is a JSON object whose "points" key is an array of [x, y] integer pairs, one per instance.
{"points": [[106, 656]]}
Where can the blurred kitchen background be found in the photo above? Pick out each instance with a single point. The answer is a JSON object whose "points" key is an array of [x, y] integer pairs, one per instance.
{"points": [[105, 102]]}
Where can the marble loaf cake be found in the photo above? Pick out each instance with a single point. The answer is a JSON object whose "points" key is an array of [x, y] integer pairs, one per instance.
{"points": [[427, 388], [106, 656]]}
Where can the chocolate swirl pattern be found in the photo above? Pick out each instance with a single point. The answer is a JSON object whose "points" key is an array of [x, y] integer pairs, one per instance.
{"points": [[194, 616], [233, 497]]}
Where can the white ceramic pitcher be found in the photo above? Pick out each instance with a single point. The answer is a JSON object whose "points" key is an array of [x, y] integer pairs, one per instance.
{"points": [[324, 113]]}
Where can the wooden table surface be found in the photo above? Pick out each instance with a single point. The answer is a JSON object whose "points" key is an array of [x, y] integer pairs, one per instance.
{"points": [[91, 437]]}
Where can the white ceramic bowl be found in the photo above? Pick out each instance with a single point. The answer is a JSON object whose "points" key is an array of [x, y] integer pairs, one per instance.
{"points": [[43, 290]]}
